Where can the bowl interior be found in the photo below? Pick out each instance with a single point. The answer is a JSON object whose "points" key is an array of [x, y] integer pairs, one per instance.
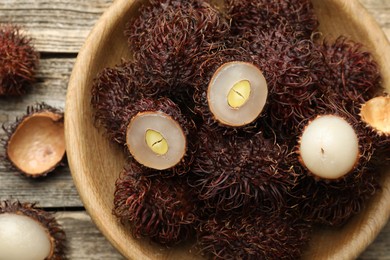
{"points": [[95, 163]]}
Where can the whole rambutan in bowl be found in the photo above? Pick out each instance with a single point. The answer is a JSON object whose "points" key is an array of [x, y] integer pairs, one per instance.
{"points": [[97, 162]]}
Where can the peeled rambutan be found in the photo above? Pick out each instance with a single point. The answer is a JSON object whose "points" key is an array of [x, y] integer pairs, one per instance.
{"points": [[160, 208], [171, 37], [233, 172], [27, 232], [253, 236], [35, 143], [251, 17], [18, 61], [338, 175]]}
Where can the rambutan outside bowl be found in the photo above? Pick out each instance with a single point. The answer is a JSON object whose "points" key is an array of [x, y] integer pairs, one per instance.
{"points": [[95, 163]]}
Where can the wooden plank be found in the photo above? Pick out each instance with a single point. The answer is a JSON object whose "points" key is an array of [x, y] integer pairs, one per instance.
{"points": [[84, 241], [380, 248], [380, 10], [56, 190], [55, 26]]}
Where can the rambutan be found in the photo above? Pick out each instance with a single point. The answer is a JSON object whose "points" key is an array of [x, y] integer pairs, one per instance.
{"points": [[253, 236], [233, 172], [160, 208], [27, 232], [35, 143], [18, 61], [159, 136], [251, 17], [171, 37]]}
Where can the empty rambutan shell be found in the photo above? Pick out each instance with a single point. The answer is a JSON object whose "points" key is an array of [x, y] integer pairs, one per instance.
{"points": [[160, 208], [18, 61], [27, 232], [253, 236], [375, 115], [35, 144]]}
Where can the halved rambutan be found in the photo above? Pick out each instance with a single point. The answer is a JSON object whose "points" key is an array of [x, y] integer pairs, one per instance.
{"points": [[230, 91], [18, 61], [35, 143], [253, 236], [160, 208], [27, 232], [233, 172]]}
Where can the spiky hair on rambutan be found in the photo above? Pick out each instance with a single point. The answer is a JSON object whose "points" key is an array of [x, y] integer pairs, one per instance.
{"points": [[171, 37], [235, 172], [154, 206], [252, 17], [35, 144], [253, 236], [17, 215], [332, 201], [18, 61], [349, 72]]}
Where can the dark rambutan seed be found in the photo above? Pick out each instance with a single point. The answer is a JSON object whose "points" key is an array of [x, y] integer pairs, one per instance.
{"points": [[42, 237], [157, 207], [248, 16], [35, 142], [253, 236], [171, 37], [18, 61], [233, 172]]}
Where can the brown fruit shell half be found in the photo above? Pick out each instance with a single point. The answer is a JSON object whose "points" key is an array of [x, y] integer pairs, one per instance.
{"points": [[27, 145], [46, 219]]}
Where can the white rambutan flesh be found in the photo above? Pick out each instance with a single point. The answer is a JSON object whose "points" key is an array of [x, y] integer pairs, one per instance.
{"points": [[376, 114], [22, 237], [156, 140], [237, 93], [329, 147]]}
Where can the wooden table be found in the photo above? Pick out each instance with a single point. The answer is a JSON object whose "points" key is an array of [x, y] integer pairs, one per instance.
{"points": [[59, 28]]}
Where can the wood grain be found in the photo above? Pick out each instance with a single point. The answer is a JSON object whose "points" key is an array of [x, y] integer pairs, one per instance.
{"points": [[59, 28]]}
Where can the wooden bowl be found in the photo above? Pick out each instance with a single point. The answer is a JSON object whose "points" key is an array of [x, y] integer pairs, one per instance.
{"points": [[95, 163]]}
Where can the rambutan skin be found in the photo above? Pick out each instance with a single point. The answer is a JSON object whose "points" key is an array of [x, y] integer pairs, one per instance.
{"points": [[233, 172], [251, 17], [349, 73], [18, 61], [171, 37], [253, 236], [159, 207], [46, 219], [10, 129]]}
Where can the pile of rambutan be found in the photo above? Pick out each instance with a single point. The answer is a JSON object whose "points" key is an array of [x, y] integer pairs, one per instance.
{"points": [[243, 129]]}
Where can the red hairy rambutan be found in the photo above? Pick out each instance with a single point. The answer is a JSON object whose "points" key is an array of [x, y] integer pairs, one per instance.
{"points": [[163, 209], [253, 236], [18, 61], [233, 172]]}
